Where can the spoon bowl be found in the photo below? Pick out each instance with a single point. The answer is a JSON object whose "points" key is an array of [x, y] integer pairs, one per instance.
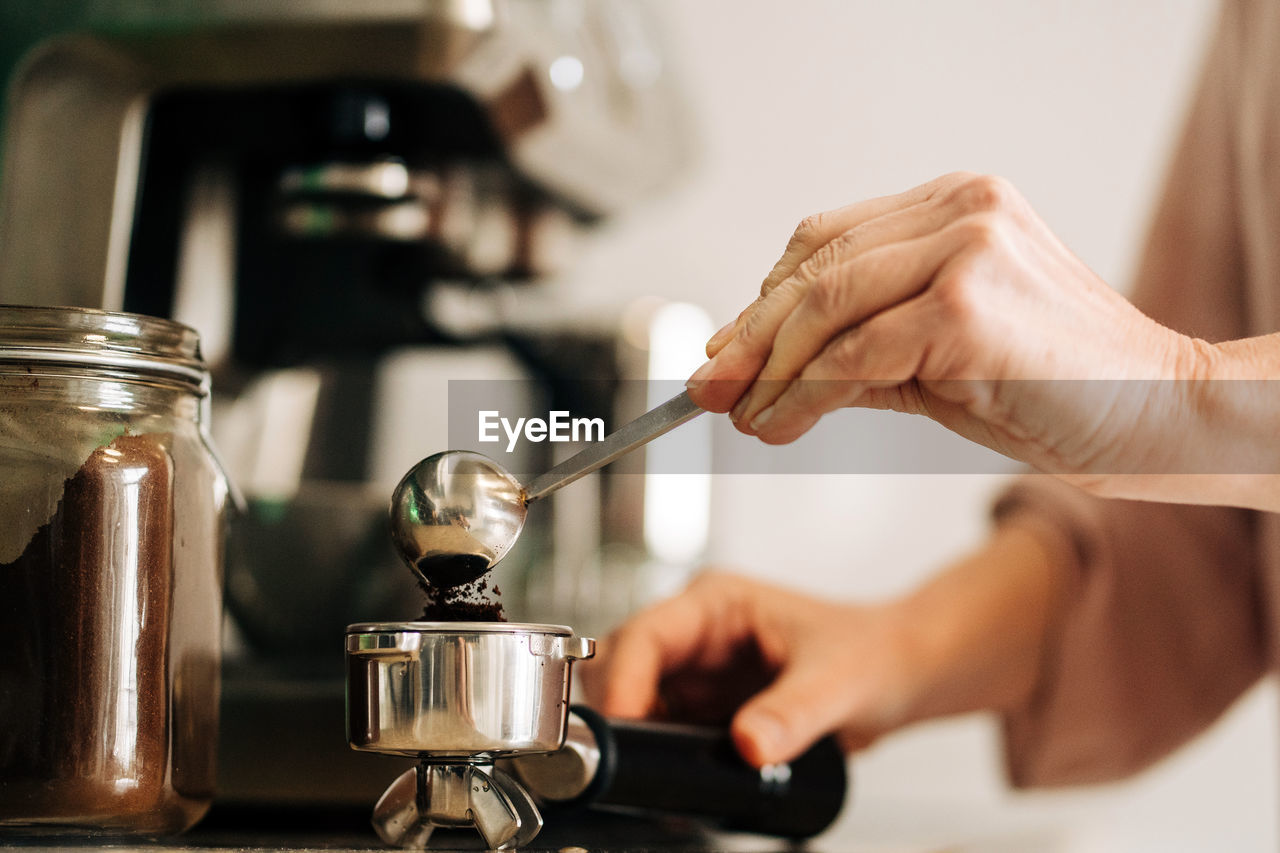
{"points": [[454, 515]]}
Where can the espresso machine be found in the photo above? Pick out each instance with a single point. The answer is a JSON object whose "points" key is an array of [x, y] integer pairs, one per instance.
{"points": [[358, 204], [355, 202]]}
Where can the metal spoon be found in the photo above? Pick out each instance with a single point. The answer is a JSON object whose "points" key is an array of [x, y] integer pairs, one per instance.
{"points": [[457, 513]]}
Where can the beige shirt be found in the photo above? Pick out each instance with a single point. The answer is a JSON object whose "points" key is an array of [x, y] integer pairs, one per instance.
{"points": [[1175, 610]]}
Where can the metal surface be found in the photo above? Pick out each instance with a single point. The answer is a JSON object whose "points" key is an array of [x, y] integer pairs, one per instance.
{"points": [[565, 774], [457, 512], [644, 429], [456, 795], [457, 695], [383, 179], [77, 120], [459, 692], [397, 817]]}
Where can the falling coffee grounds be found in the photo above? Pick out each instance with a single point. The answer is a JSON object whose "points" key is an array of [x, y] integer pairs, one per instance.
{"points": [[462, 603]]}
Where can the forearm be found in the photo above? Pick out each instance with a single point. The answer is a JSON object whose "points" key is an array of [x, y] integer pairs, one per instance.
{"points": [[975, 634]]}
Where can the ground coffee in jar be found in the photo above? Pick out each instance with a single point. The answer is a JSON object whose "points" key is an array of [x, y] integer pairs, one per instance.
{"points": [[111, 531]]}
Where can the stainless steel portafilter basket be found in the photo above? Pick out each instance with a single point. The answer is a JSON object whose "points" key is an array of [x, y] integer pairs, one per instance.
{"points": [[458, 696]]}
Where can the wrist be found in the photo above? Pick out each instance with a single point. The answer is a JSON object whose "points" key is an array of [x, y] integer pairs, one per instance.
{"points": [[975, 637], [1236, 399], [1208, 436]]}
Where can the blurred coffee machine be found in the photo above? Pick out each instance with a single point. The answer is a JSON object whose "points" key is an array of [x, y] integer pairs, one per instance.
{"points": [[353, 201]]}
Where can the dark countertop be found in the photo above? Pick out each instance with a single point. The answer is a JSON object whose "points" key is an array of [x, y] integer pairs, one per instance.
{"points": [[906, 828], [300, 829]]}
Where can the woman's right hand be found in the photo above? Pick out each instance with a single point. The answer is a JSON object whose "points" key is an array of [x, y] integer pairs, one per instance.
{"points": [[785, 669], [956, 301]]}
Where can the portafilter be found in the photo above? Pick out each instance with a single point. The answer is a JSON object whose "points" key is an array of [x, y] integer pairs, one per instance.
{"points": [[484, 708], [458, 696]]}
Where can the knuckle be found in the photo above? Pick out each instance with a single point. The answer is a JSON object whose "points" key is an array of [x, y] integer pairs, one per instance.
{"points": [[756, 327], [749, 317], [829, 255], [987, 193], [958, 299], [807, 395], [837, 288], [829, 295], [808, 232], [710, 579], [960, 176], [713, 589], [983, 232], [751, 326], [872, 268], [844, 357], [953, 180]]}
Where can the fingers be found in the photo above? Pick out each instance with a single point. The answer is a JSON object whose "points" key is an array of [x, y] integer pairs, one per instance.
{"points": [[886, 361], [655, 641], [814, 291], [786, 718], [859, 271], [818, 231], [841, 299], [886, 351], [815, 667]]}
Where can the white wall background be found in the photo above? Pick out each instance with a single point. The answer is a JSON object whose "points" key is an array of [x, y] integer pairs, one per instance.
{"points": [[809, 104]]}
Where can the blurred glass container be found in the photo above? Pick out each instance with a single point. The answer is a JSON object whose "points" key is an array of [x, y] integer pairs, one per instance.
{"points": [[111, 543]]}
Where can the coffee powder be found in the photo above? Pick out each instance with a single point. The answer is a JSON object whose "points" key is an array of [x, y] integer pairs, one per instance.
{"points": [[85, 614]]}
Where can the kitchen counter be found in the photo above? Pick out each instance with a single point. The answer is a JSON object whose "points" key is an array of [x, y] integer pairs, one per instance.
{"points": [[348, 831], [880, 830]]}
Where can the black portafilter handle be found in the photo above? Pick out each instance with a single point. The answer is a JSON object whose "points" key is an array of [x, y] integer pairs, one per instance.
{"points": [[687, 770]]}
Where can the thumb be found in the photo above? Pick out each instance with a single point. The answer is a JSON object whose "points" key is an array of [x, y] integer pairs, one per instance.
{"points": [[788, 716]]}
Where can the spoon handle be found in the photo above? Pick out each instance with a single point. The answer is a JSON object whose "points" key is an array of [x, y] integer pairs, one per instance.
{"points": [[644, 429]]}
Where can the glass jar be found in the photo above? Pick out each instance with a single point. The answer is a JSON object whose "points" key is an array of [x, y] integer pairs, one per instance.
{"points": [[111, 540]]}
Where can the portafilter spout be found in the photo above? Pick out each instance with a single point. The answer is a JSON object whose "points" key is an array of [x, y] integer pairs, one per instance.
{"points": [[456, 513]]}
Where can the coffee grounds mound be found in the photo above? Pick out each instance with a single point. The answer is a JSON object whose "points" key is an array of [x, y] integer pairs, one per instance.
{"points": [[465, 603], [85, 696]]}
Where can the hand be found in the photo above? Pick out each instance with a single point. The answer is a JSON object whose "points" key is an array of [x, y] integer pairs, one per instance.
{"points": [[954, 300], [785, 669]]}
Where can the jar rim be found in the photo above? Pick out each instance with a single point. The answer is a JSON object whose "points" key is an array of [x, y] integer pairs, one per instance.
{"points": [[91, 337]]}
